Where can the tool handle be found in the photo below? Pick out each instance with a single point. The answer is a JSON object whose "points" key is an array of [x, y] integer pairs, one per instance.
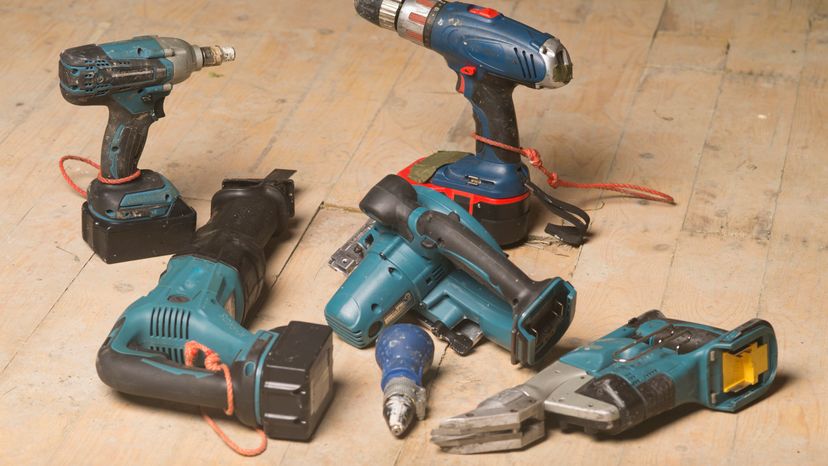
{"points": [[471, 254], [493, 110], [124, 139], [393, 201], [404, 350], [136, 371]]}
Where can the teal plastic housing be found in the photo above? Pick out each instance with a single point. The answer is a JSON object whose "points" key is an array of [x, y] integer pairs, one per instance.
{"points": [[194, 297], [398, 275], [695, 369]]}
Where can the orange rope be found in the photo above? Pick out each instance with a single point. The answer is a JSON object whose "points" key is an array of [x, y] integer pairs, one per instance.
{"points": [[212, 362], [633, 190], [97, 166]]}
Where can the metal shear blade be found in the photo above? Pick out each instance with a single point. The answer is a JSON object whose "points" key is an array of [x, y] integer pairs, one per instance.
{"points": [[482, 442], [507, 421]]}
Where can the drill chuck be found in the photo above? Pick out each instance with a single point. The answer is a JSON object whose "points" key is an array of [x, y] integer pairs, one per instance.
{"points": [[404, 353], [217, 54]]}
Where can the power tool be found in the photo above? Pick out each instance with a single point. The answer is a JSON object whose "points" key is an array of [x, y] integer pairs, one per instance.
{"points": [[404, 353], [491, 55], [649, 366], [281, 379], [131, 214], [425, 253]]}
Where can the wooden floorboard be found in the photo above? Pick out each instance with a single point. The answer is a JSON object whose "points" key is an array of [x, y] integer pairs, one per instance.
{"points": [[721, 104]]}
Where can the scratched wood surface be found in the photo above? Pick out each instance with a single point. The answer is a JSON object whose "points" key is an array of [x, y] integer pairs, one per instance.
{"points": [[722, 104]]}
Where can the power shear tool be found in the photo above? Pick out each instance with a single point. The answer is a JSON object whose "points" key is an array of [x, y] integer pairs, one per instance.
{"points": [[640, 370], [282, 378], [491, 55], [131, 214], [425, 253]]}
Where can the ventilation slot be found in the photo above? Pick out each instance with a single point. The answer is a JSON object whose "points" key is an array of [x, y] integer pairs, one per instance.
{"points": [[527, 64], [438, 274], [170, 322], [173, 354]]}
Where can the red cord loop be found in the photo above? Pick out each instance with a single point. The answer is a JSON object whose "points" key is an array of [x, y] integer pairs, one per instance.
{"points": [[212, 362], [97, 166], [552, 178]]}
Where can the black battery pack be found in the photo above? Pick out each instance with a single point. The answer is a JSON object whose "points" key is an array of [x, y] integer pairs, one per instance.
{"points": [[297, 381], [138, 239]]}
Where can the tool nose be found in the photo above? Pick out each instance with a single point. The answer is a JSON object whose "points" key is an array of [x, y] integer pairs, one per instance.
{"points": [[218, 54], [558, 64]]}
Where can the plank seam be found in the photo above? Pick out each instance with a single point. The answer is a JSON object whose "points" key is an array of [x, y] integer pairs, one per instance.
{"points": [[696, 176], [781, 183], [43, 318]]}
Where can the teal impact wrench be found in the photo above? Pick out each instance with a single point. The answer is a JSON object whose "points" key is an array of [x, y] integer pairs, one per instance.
{"points": [[282, 379], [644, 368], [426, 254], [125, 218]]}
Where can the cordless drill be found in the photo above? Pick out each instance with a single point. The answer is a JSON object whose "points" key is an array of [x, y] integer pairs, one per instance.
{"points": [[130, 214], [642, 369], [491, 54], [424, 253], [281, 379]]}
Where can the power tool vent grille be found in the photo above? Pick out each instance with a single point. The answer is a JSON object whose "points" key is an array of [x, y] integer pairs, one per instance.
{"points": [[98, 63], [527, 64], [170, 322], [173, 354], [437, 275], [355, 338]]}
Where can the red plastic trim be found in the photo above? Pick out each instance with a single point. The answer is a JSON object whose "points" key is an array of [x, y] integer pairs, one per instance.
{"points": [[450, 193]]}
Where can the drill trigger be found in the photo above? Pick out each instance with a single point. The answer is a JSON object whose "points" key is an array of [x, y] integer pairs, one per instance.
{"points": [[158, 110], [461, 84]]}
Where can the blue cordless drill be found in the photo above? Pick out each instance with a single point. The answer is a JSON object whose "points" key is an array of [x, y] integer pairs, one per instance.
{"points": [[491, 55], [142, 217], [404, 353], [282, 378], [649, 366], [424, 253]]}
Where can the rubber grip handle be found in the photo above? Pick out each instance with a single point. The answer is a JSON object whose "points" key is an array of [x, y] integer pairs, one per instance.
{"points": [[404, 350], [494, 114], [245, 215], [123, 142], [470, 253], [151, 375], [390, 202]]}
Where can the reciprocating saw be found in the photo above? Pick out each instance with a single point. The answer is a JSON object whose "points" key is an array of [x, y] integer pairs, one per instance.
{"points": [[281, 379], [649, 366], [424, 253], [130, 214], [491, 55]]}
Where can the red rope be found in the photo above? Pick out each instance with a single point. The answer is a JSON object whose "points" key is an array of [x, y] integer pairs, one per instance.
{"points": [[97, 166], [633, 190], [212, 362]]}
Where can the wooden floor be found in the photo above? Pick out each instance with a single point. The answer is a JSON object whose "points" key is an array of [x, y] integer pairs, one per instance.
{"points": [[721, 103]]}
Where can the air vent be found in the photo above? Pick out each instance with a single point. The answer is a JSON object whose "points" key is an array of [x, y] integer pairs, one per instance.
{"points": [[354, 338], [527, 64], [438, 274], [170, 322], [173, 354]]}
